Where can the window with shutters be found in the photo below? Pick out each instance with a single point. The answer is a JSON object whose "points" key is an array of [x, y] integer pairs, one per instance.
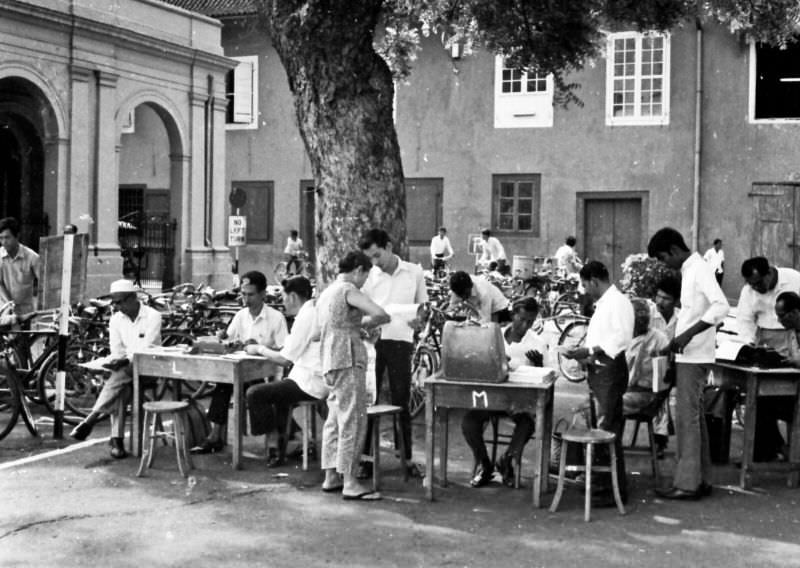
{"points": [[637, 78], [521, 99], [516, 200], [241, 90]]}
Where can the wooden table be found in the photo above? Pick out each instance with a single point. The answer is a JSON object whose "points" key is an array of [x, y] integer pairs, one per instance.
{"points": [[171, 363], [757, 382], [536, 398]]}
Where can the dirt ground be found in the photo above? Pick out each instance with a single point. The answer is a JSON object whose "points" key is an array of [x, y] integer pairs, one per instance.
{"points": [[70, 504]]}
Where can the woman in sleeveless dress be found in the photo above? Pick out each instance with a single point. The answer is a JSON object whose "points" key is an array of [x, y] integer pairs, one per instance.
{"points": [[343, 312]]}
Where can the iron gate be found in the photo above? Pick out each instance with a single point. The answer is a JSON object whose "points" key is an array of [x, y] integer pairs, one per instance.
{"points": [[148, 250]]}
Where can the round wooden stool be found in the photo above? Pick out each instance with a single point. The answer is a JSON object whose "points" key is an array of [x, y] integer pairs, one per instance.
{"points": [[154, 412], [589, 438]]}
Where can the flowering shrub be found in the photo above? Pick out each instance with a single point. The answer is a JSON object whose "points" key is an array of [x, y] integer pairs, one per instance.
{"points": [[641, 274]]}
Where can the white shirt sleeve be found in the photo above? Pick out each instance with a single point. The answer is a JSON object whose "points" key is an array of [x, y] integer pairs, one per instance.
{"points": [[745, 315]]}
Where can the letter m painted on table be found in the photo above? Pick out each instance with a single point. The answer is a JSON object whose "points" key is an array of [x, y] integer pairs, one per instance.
{"points": [[477, 396]]}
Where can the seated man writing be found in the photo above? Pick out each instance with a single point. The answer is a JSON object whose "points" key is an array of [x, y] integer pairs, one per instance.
{"points": [[269, 404], [133, 327], [256, 327], [523, 347], [647, 342]]}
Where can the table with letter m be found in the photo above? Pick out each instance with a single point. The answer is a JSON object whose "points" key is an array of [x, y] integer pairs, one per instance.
{"points": [[170, 363], [533, 397]]}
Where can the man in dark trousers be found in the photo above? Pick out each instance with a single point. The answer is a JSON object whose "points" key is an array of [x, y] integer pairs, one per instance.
{"points": [[609, 335]]}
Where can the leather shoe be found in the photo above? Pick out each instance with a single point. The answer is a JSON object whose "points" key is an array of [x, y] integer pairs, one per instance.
{"points": [[274, 459], [483, 475], [506, 469], [207, 447], [82, 430], [364, 471], [118, 448], [679, 494]]}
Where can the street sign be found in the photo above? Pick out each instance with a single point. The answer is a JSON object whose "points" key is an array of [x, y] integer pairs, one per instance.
{"points": [[237, 230], [237, 198]]}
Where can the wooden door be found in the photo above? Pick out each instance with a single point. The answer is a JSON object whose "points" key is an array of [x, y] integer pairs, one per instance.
{"points": [[423, 209], [776, 218], [612, 231]]}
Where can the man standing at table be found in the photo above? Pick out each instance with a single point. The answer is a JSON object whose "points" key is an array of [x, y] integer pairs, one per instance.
{"points": [[255, 326], [392, 281], [441, 251], [19, 268], [133, 327], [703, 306], [609, 334]]}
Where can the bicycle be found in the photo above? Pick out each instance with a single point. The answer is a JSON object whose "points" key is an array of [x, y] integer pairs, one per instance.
{"points": [[306, 269], [13, 402], [573, 336]]}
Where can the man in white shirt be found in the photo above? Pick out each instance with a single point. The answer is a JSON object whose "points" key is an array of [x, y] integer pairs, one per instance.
{"points": [[393, 282], [756, 321], [703, 306], [492, 250], [609, 334], [523, 347], [480, 295], [293, 251], [567, 259], [715, 257], [254, 327], [441, 251], [269, 404], [133, 327]]}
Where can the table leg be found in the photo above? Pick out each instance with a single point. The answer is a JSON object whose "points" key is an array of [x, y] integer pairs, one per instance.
{"points": [[749, 430], [794, 441], [238, 406], [136, 425], [539, 433], [429, 440], [444, 416]]}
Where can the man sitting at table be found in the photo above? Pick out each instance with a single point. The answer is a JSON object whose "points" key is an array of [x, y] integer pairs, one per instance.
{"points": [[769, 444], [133, 327], [523, 347], [269, 404], [256, 327]]}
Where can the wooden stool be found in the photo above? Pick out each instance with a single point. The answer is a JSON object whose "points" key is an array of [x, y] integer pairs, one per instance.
{"points": [[309, 427], [588, 438], [153, 413], [374, 414]]}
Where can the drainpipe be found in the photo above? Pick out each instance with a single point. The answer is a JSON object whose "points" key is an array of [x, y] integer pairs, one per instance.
{"points": [[698, 136]]}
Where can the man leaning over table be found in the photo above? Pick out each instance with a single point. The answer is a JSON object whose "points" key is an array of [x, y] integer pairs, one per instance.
{"points": [[392, 281], [703, 306], [133, 327], [256, 327], [609, 334]]}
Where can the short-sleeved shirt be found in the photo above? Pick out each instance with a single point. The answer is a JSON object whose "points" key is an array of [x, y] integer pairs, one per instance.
{"points": [[516, 352], [701, 299], [441, 246], [486, 298], [611, 326], [405, 286], [268, 328], [302, 348], [756, 310], [715, 258], [18, 275], [293, 247], [128, 336]]}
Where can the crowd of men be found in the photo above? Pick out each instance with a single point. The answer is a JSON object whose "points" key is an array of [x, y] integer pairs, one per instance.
{"points": [[625, 342]]}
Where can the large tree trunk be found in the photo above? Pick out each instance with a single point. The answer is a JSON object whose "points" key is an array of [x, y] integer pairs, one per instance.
{"points": [[343, 94]]}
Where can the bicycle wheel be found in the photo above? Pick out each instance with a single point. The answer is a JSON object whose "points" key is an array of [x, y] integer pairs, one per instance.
{"points": [[566, 307], [9, 402], [572, 336], [280, 271], [307, 270], [424, 364], [81, 385]]}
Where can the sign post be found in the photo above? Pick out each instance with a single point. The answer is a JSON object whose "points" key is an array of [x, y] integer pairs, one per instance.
{"points": [[237, 229], [63, 329]]}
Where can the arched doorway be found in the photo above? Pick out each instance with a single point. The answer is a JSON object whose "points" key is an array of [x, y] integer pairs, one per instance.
{"points": [[25, 121], [150, 185]]}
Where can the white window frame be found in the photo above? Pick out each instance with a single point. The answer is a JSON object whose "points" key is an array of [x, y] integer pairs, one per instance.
{"points": [[637, 119], [751, 101], [524, 109], [252, 62]]}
